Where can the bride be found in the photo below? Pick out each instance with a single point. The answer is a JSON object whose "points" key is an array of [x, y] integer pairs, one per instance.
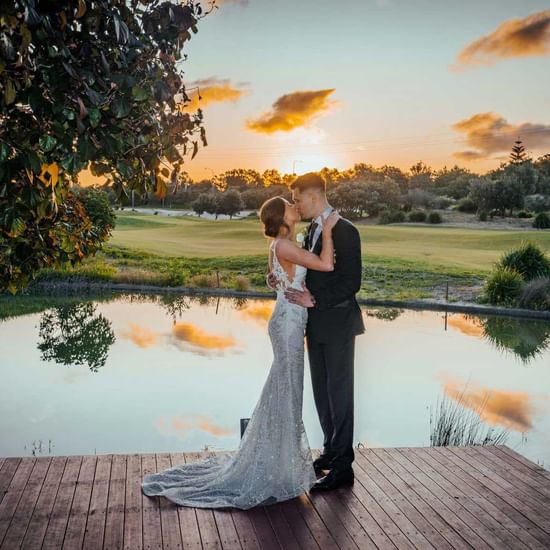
{"points": [[273, 461]]}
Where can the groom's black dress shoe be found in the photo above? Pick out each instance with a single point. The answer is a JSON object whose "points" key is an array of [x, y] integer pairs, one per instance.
{"points": [[322, 463], [334, 479]]}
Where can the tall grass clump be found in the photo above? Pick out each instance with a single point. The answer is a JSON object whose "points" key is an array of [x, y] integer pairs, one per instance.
{"points": [[528, 260], [455, 423], [503, 286], [541, 221], [535, 294]]}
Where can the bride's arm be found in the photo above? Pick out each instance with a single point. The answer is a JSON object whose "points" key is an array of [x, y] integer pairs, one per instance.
{"points": [[300, 256]]}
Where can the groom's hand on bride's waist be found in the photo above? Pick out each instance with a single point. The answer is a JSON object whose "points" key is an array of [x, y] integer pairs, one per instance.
{"points": [[271, 281], [302, 298]]}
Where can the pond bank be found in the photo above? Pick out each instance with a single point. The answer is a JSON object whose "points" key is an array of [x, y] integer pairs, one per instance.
{"points": [[426, 304]]}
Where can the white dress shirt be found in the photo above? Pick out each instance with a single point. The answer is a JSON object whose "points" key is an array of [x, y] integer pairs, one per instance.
{"points": [[319, 221]]}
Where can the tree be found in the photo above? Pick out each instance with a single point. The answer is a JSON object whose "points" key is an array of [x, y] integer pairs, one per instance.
{"points": [[229, 203], [518, 155], [238, 178], [205, 202], [421, 176], [85, 83]]}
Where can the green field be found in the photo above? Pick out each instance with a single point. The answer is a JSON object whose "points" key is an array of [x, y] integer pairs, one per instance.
{"points": [[474, 249], [399, 262]]}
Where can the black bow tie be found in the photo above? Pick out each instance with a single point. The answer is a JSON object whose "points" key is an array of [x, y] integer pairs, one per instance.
{"points": [[311, 231]]}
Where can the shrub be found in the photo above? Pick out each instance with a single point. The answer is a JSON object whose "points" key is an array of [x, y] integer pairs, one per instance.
{"points": [[242, 283], [482, 215], [417, 216], [204, 281], [442, 202], [524, 214], [535, 294], [435, 217], [503, 286], [467, 205], [528, 260], [391, 216], [541, 221]]}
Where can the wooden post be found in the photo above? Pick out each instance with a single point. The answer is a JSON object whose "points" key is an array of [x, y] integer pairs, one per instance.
{"points": [[447, 291], [218, 277]]}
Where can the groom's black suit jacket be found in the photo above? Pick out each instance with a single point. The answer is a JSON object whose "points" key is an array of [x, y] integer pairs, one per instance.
{"points": [[336, 315]]}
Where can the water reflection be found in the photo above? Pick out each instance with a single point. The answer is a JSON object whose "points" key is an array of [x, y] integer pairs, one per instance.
{"points": [[183, 371], [510, 409], [182, 425], [75, 335], [526, 339]]}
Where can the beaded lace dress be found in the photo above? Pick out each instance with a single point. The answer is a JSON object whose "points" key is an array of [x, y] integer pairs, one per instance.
{"points": [[273, 461]]}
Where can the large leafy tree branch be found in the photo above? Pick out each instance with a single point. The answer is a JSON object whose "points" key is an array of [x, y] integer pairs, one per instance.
{"points": [[86, 83]]}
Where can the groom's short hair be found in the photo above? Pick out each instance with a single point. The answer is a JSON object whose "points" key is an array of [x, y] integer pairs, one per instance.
{"points": [[311, 180]]}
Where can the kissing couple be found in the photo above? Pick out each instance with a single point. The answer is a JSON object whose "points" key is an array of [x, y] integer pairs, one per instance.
{"points": [[316, 285]]}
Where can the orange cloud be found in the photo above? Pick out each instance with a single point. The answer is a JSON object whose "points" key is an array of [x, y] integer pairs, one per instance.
{"points": [[470, 326], [525, 37], [513, 410], [212, 90], [182, 425], [490, 133], [200, 340], [292, 111], [258, 312], [141, 336]]}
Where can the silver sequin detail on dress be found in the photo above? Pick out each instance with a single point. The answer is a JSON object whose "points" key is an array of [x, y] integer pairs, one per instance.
{"points": [[273, 461]]}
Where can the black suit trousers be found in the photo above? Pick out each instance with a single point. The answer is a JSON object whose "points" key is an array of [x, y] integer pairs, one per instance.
{"points": [[331, 366]]}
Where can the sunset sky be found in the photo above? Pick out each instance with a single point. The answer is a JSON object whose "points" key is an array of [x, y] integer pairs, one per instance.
{"points": [[375, 81]]}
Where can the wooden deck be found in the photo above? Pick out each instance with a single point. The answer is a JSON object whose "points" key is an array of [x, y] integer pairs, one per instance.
{"points": [[441, 498]]}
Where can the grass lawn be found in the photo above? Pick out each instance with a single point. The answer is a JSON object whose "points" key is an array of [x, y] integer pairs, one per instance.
{"points": [[399, 262], [473, 249]]}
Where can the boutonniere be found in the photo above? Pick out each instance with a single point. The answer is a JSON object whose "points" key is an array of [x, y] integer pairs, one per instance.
{"points": [[301, 236]]}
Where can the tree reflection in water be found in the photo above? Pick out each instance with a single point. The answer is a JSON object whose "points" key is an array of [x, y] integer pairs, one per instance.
{"points": [[75, 335], [525, 338]]}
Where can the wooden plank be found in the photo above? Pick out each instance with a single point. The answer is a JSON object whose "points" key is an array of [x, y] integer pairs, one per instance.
{"points": [[189, 526], [114, 520], [531, 509], [152, 531], [367, 522], [490, 501], [14, 492], [336, 521], [226, 526], [95, 528], [44, 506], [285, 535], [133, 520], [322, 535], [25, 507], [169, 519], [347, 516], [494, 527], [78, 516], [267, 538], [535, 468], [515, 469], [428, 522], [467, 510], [371, 508], [297, 524], [210, 537], [445, 506], [55, 532], [504, 495], [9, 467], [364, 475]]}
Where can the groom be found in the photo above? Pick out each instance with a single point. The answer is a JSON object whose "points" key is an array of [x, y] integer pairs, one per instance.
{"points": [[334, 320]]}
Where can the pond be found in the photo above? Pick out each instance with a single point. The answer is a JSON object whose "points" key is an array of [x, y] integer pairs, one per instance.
{"points": [[151, 373]]}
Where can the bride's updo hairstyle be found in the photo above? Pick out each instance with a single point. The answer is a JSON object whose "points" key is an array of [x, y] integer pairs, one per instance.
{"points": [[272, 215]]}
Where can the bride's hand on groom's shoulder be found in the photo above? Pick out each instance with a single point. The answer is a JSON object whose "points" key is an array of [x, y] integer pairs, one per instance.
{"points": [[331, 221]]}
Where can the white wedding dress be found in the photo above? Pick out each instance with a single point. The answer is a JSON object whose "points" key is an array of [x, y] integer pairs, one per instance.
{"points": [[273, 461]]}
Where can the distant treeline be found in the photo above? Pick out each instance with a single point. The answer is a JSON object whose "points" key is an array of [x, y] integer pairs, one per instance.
{"points": [[520, 186]]}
